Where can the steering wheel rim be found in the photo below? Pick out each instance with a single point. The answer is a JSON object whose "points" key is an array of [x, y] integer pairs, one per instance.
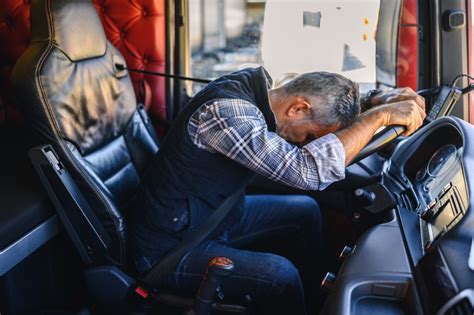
{"points": [[379, 141]]}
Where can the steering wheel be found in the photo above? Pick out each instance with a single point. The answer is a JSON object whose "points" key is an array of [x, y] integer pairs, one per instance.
{"points": [[391, 133], [379, 141], [447, 95]]}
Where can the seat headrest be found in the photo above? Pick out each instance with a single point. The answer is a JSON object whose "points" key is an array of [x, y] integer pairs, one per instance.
{"points": [[73, 26]]}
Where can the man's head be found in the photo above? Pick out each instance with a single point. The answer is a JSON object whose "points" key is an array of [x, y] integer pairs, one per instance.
{"points": [[314, 104]]}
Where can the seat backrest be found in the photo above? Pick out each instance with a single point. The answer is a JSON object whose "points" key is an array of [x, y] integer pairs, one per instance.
{"points": [[137, 29], [75, 99]]}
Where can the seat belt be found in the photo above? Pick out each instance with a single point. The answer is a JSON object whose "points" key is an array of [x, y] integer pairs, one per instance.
{"points": [[153, 278], [168, 264], [122, 67]]}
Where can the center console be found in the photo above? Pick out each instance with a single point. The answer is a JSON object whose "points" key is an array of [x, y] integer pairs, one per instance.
{"points": [[375, 277]]}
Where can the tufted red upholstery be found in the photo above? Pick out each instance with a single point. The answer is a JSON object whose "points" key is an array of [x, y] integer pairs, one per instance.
{"points": [[14, 39], [135, 27]]}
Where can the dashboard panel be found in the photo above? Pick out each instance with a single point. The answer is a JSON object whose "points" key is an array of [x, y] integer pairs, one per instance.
{"points": [[428, 176], [418, 261], [434, 183]]}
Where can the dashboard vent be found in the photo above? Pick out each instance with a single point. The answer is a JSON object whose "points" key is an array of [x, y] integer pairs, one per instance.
{"points": [[408, 200], [462, 307], [456, 202], [461, 304]]}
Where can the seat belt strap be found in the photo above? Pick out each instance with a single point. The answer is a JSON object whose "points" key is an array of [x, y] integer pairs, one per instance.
{"points": [[121, 67], [169, 263]]}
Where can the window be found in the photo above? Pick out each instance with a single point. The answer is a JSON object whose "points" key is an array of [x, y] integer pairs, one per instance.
{"points": [[355, 38], [471, 55], [225, 36]]}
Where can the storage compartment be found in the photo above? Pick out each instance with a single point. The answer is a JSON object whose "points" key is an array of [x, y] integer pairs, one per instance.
{"points": [[378, 305], [376, 277]]}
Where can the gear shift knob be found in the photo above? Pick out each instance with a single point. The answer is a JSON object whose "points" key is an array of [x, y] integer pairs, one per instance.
{"points": [[217, 268], [221, 266]]}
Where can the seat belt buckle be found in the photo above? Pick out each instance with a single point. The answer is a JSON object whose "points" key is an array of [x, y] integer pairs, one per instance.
{"points": [[141, 292]]}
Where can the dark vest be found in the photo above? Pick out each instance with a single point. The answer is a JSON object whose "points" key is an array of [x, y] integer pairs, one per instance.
{"points": [[186, 184]]}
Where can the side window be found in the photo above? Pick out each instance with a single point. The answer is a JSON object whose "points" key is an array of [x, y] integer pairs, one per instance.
{"points": [[471, 56], [386, 42], [355, 38], [470, 33], [225, 36]]}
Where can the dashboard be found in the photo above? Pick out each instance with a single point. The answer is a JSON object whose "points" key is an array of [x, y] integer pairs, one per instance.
{"points": [[443, 195], [438, 187], [427, 176], [420, 260]]}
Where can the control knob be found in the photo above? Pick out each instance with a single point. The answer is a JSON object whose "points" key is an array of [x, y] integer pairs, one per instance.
{"points": [[346, 251], [328, 281], [364, 197]]}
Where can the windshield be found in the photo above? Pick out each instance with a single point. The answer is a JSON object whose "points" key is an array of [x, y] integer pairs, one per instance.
{"points": [[355, 38]]}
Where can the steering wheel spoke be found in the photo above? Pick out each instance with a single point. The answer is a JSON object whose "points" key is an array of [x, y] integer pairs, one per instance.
{"points": [[379, 141]]}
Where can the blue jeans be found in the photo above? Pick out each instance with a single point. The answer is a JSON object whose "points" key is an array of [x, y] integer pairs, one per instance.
{"points": [[274, 282]]}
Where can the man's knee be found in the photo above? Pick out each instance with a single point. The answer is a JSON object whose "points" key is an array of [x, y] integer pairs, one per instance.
{"points": [[276, 286], [304, 202], [305, 207], [285, 277]]}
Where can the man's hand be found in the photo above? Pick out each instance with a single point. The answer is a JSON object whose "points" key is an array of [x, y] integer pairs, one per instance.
{"points": [[356, 136], [397, 95], [406, 113]]}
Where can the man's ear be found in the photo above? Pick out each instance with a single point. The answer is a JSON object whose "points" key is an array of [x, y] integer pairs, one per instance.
{"points": [[299, 107]]}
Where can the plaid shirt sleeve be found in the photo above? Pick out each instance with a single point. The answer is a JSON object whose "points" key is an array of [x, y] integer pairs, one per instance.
{"points": [[237, 129]]}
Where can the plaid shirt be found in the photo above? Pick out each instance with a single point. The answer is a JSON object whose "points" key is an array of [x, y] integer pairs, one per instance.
{"points": [[237, 129]]}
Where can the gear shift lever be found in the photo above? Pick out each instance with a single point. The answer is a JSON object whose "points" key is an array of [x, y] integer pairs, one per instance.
{"points": [[217, 268]]}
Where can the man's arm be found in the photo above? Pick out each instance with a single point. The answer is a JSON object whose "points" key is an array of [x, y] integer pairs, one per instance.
{"points": [[237, 130], [355, 137], [366, 100]]}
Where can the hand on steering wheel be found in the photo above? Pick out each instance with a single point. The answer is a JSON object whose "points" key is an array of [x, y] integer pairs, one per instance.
{"points": [[404, 114], [409, 113]]}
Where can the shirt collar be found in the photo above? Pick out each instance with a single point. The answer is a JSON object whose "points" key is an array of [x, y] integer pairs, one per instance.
{"points": [[261, 84]]}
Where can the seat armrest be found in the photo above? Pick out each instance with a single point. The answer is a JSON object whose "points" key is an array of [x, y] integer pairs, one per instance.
{"points": [[80, 222]]}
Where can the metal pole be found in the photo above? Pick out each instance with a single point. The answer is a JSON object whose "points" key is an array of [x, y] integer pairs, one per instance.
{"points": [[221, 24]]}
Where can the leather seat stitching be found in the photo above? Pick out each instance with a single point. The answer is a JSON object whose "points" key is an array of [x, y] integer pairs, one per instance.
{"points": [[56, 129]]}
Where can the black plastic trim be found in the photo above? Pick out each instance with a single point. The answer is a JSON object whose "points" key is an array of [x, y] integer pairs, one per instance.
{"points": [[27, 244], [82, 225]]}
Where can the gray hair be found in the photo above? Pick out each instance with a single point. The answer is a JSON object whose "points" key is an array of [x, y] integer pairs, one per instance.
{"points": [[339, 97]]}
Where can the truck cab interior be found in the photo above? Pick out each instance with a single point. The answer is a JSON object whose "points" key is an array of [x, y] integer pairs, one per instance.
{"points": [[88, 90]]}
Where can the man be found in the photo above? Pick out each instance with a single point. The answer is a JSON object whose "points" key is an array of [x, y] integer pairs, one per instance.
{"points": [[302, 134]]}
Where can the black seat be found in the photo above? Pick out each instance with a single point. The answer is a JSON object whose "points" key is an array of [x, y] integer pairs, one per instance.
{"points": [[79, 103], [99, 140]]}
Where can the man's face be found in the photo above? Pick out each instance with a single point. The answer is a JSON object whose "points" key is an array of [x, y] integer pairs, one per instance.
{"points": [[296, 125], [302, 132]]}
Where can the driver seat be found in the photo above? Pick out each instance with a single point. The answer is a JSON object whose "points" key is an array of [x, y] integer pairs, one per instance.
{"points": [[99, 140]]}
